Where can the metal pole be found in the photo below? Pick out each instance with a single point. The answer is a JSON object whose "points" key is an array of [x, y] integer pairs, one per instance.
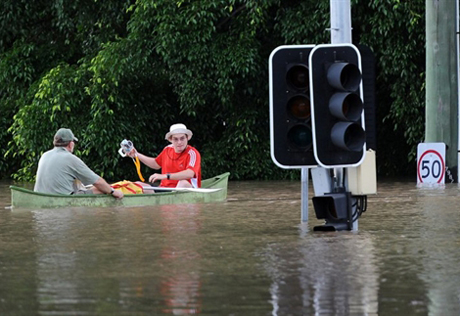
{"points": [[340, 21], [304, 197], [341, 33], [457, 17], [441, 93]]}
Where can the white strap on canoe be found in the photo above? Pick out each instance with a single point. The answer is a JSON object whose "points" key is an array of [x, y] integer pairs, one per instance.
{"points": [[201, 190]]}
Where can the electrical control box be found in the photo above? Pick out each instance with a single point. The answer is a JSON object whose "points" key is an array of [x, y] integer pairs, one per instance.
{"points": [[362, 180]]}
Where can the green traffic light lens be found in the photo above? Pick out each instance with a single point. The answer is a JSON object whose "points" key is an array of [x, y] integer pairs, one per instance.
{"points": [[300, 136], [298, 77], [299, 107]]}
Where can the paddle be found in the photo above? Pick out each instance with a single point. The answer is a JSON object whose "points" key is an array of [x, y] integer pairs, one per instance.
{"points": [[201, 190]]}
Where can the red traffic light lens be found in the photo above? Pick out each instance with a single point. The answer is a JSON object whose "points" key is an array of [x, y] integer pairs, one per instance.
{"points": [[298, 77]]}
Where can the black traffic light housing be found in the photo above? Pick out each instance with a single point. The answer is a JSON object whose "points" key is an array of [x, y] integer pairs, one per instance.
{"points": [[368, 71], [336, 95], [335, 209], [291, 142]]}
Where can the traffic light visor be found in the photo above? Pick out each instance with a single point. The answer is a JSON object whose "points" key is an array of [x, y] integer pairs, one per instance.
{"points": [[344, 76], [332, 206], [348, 136], [346, 106]]}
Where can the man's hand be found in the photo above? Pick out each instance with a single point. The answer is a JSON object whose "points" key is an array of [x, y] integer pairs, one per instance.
{"points": [[156, 176], [118, 194], [132, 153]]}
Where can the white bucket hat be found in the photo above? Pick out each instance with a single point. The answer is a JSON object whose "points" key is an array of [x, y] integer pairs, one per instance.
{"points": [[178, 129]]}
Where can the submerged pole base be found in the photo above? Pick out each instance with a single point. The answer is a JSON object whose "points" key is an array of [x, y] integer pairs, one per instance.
{"points": [[331, 227]]}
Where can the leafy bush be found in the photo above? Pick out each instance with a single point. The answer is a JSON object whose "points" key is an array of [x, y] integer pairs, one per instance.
{"points": [[130, 69]]}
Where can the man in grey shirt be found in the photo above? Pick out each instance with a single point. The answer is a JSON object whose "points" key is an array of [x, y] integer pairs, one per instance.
{"points": [[60, 171]]}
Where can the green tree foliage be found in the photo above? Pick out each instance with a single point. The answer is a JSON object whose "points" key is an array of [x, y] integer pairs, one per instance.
{"points": [[129, 69], [395, 30]]}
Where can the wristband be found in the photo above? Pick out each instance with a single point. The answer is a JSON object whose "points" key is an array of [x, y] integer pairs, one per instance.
{"points": [[113, 191], [168, 176]]}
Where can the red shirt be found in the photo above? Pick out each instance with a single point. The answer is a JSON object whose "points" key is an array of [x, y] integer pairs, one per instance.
{"points": [[172, 162]]}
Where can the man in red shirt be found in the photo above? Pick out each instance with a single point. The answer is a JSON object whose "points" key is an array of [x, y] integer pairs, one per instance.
{"points": [[179, 162]]}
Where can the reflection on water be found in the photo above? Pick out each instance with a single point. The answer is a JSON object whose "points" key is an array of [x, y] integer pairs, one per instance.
{"points": [[323, 283], [180, 289], [250, 255]]}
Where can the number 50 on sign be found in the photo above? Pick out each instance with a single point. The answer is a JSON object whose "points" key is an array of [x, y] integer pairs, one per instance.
{"points": [[431, 165]]}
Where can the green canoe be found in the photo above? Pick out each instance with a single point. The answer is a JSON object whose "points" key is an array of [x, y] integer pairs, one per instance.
{"points": [[24, 198]]}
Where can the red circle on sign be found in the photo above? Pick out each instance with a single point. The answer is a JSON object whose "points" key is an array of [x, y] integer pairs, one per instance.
{"points": [[440, 158]]}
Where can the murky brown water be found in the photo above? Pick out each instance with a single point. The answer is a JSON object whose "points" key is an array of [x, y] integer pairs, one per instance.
{"points": [[248, 256]]}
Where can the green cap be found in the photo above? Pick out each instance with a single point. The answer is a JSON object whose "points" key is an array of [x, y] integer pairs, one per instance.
{"points": [[64, 135]]}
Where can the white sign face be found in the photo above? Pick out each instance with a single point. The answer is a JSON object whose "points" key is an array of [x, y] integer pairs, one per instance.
{"points": [[431, 166]]}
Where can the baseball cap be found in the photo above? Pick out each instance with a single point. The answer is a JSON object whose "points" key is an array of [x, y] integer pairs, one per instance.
{"points": [[64, 135]]}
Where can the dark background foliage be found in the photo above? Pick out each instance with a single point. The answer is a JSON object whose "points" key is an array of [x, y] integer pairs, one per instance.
{"points": [[129, 69]]}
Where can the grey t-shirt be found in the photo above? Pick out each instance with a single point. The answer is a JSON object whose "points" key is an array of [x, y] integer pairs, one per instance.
{"points": [[58, 169]]}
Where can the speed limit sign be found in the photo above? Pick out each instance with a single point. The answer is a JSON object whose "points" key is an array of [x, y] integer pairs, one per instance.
{"points": [[431, 165]]}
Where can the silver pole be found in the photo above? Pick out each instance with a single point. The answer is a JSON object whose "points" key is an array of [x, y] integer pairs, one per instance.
{"points": [[304, 197], [457, 16], [340, 21], [341, 33]]}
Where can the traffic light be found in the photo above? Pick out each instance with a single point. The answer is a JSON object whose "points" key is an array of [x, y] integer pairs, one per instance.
{"points": [[337, 105], [335, 209], [291, 143], [340, 210]]}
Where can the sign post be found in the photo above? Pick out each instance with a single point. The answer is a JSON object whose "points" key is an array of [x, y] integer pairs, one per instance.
{"points": [[431, 163]]}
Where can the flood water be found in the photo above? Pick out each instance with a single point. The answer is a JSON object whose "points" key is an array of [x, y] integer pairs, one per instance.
{"points": [[251, 255]]}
